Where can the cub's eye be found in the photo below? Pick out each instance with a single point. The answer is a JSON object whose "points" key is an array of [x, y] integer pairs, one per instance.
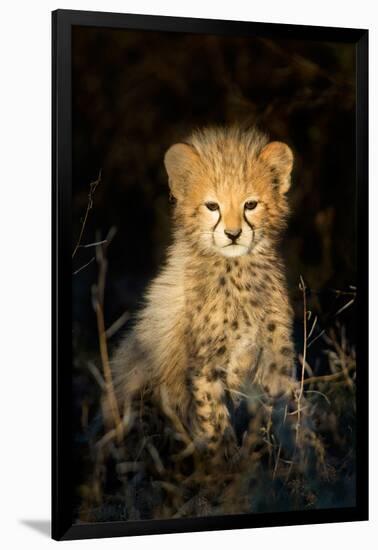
{"points": [[250, 205], [212, 206]]}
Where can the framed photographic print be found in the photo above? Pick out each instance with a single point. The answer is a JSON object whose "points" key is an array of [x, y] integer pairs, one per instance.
{"points": [[210, 274]]}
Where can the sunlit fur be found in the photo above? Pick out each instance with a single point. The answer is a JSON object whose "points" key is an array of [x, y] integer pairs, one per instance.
{"points": [[216, 317], [230, 174]]}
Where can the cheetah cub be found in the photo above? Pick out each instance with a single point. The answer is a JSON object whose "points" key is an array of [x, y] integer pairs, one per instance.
{"points": [[217, 317]]}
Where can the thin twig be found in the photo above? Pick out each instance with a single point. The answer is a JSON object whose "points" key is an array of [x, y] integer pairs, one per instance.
{"points": [[344, 307], [106, 366], [98, 303], [90, 245], [114, 328], [313, 327], [92, 188], [328, 377], [302, 287], [344, 292], [316, 338], [155, 457], [84, 266], [96, 375]]}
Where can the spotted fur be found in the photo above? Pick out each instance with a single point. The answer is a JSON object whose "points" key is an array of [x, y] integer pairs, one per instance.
{"points": [[217, 317]]}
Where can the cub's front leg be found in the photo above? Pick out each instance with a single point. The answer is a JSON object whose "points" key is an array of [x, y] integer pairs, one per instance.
{"points": [[210, 419], [275, 374], [275, 366]]}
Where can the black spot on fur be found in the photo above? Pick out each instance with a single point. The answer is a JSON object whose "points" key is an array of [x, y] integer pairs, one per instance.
{"points": [[235, 283], [285, 351], [271, 327], [272, 366], [222, 281], [234, 325], [286, 369], [260, 287], [228, 268], [199, 403], [246, 318], [221, 350], [213, 376]]}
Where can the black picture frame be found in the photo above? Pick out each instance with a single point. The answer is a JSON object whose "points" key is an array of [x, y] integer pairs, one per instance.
{"points": [[62, 490]]}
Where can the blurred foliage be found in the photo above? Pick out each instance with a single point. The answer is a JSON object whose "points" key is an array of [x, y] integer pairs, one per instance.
{"points": [[137, 92]]}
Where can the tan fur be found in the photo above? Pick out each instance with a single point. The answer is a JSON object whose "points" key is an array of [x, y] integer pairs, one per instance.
{"points": [[217, 317]]}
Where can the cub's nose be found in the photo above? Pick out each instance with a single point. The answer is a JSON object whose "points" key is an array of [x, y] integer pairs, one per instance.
{"points": [[233, 234]]}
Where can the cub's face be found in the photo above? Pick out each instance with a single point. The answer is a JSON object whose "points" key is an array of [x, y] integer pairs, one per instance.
{"points": [[230, 202], [231, 223]]}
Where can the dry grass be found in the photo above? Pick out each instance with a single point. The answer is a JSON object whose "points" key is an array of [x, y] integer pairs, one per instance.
{"points": [[293, 454]]}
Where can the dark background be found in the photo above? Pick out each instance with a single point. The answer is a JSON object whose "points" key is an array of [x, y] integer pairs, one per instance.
{"points": [[137, 92]]}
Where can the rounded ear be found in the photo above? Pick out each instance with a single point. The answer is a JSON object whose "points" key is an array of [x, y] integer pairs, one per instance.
{"points": [[280, 158], [180, 161]]}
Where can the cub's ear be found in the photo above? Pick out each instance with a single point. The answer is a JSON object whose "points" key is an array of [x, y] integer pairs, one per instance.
{"points": [[180, 162], [280, 158]]}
